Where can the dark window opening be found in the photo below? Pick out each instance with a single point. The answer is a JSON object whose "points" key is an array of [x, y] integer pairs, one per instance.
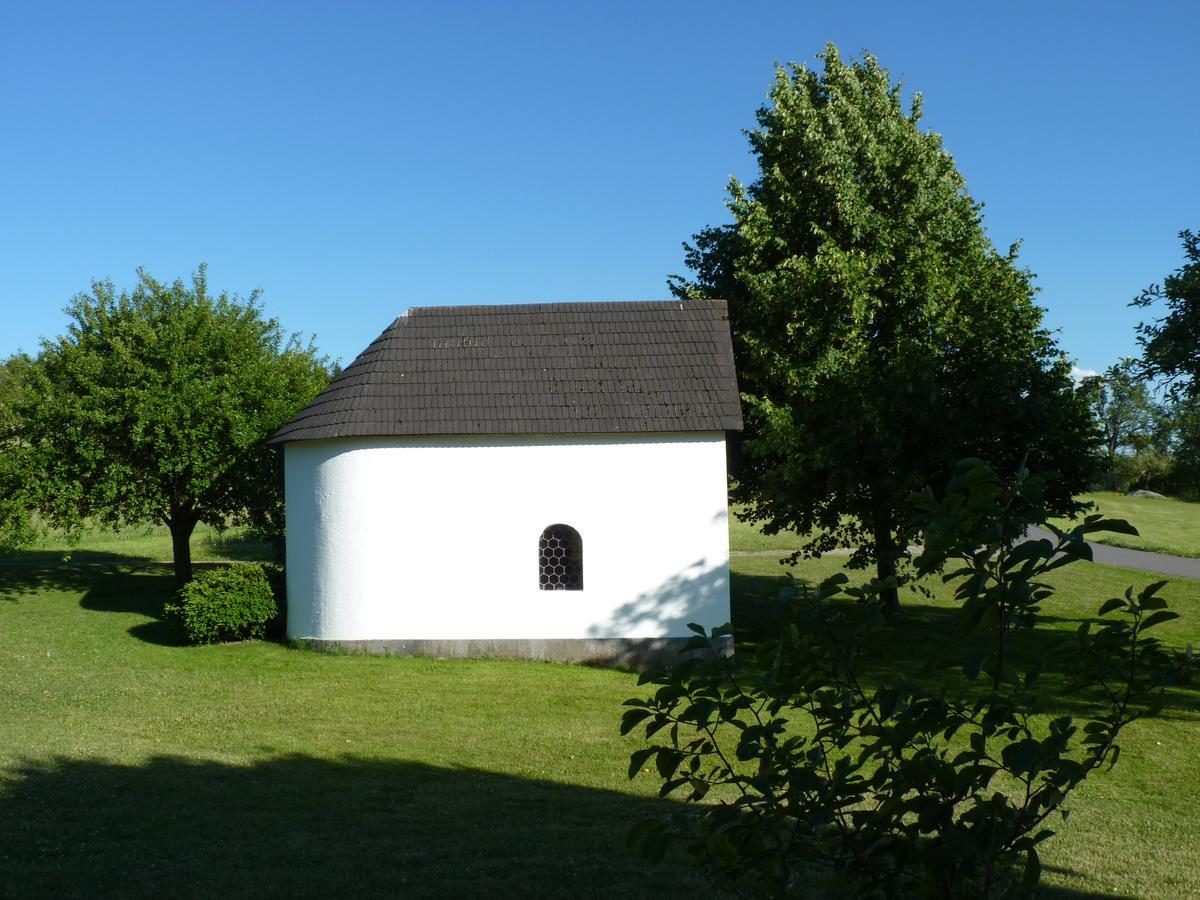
{"points": [[560, 559]]}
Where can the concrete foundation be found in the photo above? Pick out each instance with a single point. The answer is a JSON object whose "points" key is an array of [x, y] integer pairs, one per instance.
{"points": [[636, 652]]}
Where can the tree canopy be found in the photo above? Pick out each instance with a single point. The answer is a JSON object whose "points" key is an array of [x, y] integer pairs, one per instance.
{"points": [[880, 337], [1171, 356], [16, 529], [155, 407], [1127, 414], [1171, 344]]}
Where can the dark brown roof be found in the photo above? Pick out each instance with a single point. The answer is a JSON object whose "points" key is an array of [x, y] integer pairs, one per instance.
{"points": [[544, 368]]}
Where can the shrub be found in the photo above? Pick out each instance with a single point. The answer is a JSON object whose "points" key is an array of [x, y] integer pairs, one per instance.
{"points": [[226, 604], [898, 789]]}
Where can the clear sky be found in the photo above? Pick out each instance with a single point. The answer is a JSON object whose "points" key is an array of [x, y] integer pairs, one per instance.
{"points": [[355, 159]]}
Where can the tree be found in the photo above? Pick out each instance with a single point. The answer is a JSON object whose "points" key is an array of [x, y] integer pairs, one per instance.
{"points": [[1171, 354], [1185, 455], [832, 778], [1171, 345], [879, 335], [1127, 415], [155, 407], [16, 529]]}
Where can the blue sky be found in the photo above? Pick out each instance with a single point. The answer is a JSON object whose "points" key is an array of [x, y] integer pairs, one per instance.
{"points": [[355, 159]]}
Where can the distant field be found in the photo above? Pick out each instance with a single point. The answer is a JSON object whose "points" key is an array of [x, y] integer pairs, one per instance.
{"points": [[154, 543], [1165, 526]]}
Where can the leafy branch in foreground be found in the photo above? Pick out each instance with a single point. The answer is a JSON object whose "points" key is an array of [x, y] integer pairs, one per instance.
{"points": [[811, 769]]}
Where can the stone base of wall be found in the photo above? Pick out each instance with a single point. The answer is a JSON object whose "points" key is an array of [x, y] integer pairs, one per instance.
{"points": [[636, 652]]}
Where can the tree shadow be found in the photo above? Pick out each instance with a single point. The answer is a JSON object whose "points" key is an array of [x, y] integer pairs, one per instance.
{"points": [[1062, 892], [301, 826], [243, 544], [29, 571], [925, 643], [108, 582], [700, 593]]}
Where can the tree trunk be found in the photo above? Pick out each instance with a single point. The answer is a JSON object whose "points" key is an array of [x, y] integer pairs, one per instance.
{"points": [[885, 563], [181, 547]]}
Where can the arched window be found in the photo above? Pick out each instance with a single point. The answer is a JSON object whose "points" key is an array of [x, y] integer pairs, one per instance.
{"points": [[560, 559]]}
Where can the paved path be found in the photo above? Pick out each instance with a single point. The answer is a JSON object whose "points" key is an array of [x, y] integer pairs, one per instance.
{"points": [[1178, 566]]}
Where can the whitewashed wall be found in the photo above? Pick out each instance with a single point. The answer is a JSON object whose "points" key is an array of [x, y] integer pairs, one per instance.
{"points": [[437, 538]]}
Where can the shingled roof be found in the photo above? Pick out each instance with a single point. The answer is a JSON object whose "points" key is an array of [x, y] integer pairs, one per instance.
{"points": [[544, 368]]}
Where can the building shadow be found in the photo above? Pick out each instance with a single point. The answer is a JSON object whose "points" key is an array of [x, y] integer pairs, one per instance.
{"points": [[302, 826]]}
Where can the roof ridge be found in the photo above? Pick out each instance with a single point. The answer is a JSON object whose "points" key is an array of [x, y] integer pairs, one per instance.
{"points": [[601, 366]]}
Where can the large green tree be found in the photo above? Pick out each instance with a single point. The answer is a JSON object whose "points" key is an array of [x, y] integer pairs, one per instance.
{"points": [[1171, 356], [1126, 413], [1171, 344], [155, 407], [880, 337], [16, 528]]}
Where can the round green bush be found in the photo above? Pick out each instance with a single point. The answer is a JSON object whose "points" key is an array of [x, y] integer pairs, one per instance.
{"points": [[227, 604]]}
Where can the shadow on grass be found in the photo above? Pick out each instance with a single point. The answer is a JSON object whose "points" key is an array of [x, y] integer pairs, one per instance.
{"points": [[241, 544], [29, 571], [299, 826], [925, 635], [108, 582]]}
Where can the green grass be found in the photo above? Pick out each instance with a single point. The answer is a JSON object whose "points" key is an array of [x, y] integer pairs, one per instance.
{"points": [[1133, 831], [154, 543], [132, 765], [1165, 526], [747, 536]]}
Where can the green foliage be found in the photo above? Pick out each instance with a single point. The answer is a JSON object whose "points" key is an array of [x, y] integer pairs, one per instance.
{"points": [[1171, 344], [1129, 419], [227, 604], [155, 407], [900, 790], [879, 335], [16, 526], [1185, 456], [1146, 469]]}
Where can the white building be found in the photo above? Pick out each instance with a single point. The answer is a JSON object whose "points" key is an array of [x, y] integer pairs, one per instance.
{"points": [[543, 481]]}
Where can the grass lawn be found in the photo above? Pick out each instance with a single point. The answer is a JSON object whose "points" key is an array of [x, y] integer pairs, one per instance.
{"points": [[747, 536], [131, 765], [1165, 526], [153, 542]]}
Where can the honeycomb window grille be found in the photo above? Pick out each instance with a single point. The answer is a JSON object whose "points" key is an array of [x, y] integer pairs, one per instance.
{"points": [[560, 559]]}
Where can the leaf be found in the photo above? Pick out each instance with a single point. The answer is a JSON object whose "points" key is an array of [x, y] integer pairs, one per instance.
{"points": [[1032, 875], [1109, 605], [668, 761], [1113, 526], [1157, 618], [638, 758], [971, 666], [631, 718], [1021, 756]]}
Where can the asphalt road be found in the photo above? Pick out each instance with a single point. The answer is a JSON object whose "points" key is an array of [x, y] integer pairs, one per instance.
{"points": [[1180, 566]]}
